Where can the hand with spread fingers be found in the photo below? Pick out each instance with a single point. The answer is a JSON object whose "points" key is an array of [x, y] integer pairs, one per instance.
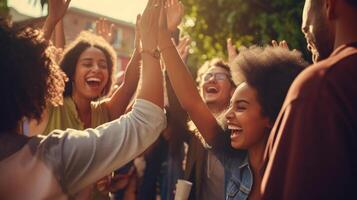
{"points": [[105, 29], [149, 24], [282, 44], [170, 17], [56, 11], [174, 13]]}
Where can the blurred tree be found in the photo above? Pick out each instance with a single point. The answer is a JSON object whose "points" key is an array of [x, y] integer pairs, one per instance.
{"points": [[4, 9], [210, 22]]}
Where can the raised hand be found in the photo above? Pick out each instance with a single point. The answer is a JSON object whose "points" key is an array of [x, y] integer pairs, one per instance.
{"points": [[149, 24], [104, 28], [174, 13], [57, 9], [232, 51], [137, 39], [282, 44]]}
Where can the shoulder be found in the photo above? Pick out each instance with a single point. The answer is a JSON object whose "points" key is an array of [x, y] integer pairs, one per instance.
{"points": [[324, 76]]}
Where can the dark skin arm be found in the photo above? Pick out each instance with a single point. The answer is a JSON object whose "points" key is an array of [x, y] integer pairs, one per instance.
{"points": [[181, 79]]}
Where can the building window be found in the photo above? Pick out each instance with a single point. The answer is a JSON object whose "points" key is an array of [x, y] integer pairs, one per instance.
{"points": [[89, 25], [118, 39]]}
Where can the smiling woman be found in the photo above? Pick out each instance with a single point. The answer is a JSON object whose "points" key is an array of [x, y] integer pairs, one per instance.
{"points": [[88, 63]]}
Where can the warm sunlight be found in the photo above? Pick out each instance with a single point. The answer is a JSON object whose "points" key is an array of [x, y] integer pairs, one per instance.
{"points": [[119, 9]]}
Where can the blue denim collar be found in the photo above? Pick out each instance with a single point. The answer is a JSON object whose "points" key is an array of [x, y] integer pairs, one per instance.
{"points": [[245, 162]]}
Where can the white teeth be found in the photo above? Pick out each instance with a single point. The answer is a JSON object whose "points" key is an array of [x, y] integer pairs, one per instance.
{"points": [[212, 89], [233, 127], [93, 79]]}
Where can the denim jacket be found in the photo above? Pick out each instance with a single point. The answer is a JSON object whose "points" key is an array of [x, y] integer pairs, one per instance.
{"points": [[238, 175], [239, 179]]}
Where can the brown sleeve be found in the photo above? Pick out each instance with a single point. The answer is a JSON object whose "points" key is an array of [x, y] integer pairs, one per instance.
{"points": [[309, 150]]}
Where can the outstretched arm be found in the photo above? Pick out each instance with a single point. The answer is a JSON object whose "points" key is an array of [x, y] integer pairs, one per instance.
{"points": [[151, 79], [56, 10], [119, 101], [82, 151], [59, 37], [181, 80]]}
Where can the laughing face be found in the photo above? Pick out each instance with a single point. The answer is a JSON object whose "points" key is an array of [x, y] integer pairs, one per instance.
{"points": [[245, 120], [216, 86], [91, 74]]}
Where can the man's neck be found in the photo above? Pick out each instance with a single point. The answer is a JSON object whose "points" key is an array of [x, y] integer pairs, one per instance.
{"points": [[346, 32]]}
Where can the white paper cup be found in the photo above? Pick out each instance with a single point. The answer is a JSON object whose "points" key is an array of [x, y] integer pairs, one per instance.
{"points": [[183, 189]]}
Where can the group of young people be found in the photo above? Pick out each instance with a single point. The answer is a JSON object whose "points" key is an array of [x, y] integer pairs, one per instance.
{"points": [[272, 126]]}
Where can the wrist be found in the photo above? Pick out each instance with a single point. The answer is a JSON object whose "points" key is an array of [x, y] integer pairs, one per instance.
{"points": [[149, 42], [165, 40], [51, 21], [154, 53]]}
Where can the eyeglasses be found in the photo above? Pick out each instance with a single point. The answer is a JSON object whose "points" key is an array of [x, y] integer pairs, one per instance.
{"points": [[216, 76]]}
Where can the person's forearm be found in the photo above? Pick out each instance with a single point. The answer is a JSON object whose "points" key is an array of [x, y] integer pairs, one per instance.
{"points": [[48, 28], [186, 91], [97, 152], [180, 77], [132, 72], [122, 96], [151, 81], [60, 39]]}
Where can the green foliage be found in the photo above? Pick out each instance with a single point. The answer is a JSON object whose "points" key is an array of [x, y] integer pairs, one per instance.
{"points": [[210, 22], [4, 9], [3, 4]]}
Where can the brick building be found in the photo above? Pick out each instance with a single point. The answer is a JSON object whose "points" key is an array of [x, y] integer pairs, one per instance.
{"points": [[77, 20]]}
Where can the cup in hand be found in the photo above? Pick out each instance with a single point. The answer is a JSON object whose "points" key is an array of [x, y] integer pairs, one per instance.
{"points": [[183, 189]]}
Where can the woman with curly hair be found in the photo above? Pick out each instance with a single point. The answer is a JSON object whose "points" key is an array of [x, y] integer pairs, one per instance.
{"points": [[89, 63], [63, 163], [267, 74]]}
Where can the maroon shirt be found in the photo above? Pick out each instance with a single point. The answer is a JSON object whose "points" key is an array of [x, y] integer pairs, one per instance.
{"points": [[312, 149]]}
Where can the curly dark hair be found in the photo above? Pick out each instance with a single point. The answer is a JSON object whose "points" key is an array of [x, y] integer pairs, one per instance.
{"points": [[29, 76], [270, 71], [72, 53]]}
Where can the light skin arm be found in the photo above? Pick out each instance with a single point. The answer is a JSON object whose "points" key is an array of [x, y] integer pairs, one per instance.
{"points": [[119, 101], [182, 81], [56, 10], [151, 79], [59, 37]]}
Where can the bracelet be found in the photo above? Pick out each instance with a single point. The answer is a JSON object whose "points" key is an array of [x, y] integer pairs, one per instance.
{"points": [[155, 53]]}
